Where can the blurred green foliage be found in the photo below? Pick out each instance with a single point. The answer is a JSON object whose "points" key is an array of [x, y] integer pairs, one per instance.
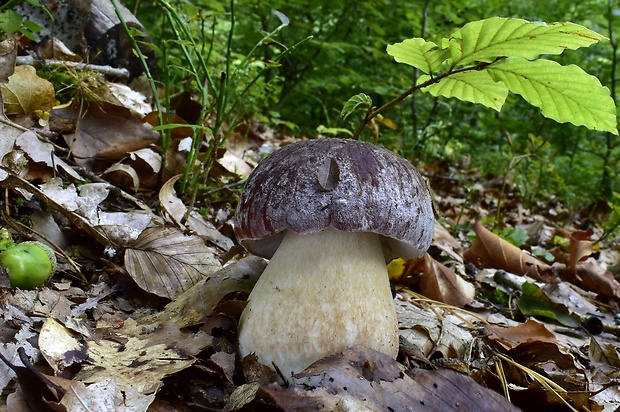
{"points": [[305, 92]]}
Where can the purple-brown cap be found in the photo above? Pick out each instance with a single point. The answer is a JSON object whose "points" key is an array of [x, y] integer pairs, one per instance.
{"points": [[349, 185]]}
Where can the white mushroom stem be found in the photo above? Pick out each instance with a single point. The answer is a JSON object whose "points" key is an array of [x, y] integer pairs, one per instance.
{"points": [[320, 294]]}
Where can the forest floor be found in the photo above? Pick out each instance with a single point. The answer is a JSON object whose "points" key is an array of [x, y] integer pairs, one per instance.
{"points": [[141, 313]]}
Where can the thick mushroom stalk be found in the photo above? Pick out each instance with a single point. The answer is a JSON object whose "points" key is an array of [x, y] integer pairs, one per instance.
{"points": [[320, 294]]}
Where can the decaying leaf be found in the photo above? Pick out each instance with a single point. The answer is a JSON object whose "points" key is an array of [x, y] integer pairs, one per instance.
{"points": [[120, 228], [176, 209], [373, 380], [105, 135], [26, 92], [591, 276], [59, 347], [141, 356], [164, 261], [529, 331], [490, 250], [442, 284], [192, 306], [434, 331], [106, 395]]}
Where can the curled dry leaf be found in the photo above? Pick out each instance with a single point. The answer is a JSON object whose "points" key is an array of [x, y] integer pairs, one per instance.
{"points": [[442, 284], [580, 245], [176, 209], [490, 250], [591, 276], [166, 262]]}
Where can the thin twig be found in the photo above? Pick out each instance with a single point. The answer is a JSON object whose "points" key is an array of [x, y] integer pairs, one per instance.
{"points": [[105, 70]]}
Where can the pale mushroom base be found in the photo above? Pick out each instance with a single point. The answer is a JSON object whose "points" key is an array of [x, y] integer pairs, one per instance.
{"points": [[320, 294]]}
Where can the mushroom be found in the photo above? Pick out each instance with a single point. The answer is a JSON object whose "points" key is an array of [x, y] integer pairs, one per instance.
{"points": [[328, 213]]}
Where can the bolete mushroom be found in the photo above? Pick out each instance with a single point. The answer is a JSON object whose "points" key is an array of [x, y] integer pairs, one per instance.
{"points": [[329, 213]]}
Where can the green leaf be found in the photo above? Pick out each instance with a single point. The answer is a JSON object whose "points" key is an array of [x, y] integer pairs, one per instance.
{"points": [[471, 86], [485, 40], [354, 102], [534, 302], [418, 53], [334, 131], [563, 93], [10, 21]]}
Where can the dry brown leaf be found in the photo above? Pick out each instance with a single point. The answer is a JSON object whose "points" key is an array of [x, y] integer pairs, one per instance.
{"points": [[434, 331], [491, 251], [106, 134], [192, 306], [557, 363], [373, 380], [580, 245], [442, 284], [26, 92], [447, 243], [525, 332], [43, 152], [591, 276], [166, 262]]}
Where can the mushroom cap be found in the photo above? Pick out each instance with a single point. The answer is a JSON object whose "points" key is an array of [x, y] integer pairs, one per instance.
{"points": [[349, 185]]}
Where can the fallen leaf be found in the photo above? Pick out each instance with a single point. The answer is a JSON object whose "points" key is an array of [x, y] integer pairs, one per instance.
{"points": [[375, 381], [59, 347], [43, 152], [106, 395], [442, 284], [529, 331], [533, 302], [140, 355], [176, 209], [591, 276], [41, 393], [491, 251], [106, 134], [164, 261], [25, 92], [194, 305]]}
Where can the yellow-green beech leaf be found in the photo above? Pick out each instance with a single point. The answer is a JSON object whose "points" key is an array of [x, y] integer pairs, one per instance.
{"points": [[354, 102], [485, 40], [471, 86], [563, 93], [418, 53]]}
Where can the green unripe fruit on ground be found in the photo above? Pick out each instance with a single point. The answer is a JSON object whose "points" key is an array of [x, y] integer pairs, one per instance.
{"points": [[29, 264]]}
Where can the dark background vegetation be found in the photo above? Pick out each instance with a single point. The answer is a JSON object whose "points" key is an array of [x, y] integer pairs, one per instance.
{"points": [[346, 55]]}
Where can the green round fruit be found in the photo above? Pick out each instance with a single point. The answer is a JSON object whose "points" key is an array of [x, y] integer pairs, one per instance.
{"points": [[29, 264]]}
